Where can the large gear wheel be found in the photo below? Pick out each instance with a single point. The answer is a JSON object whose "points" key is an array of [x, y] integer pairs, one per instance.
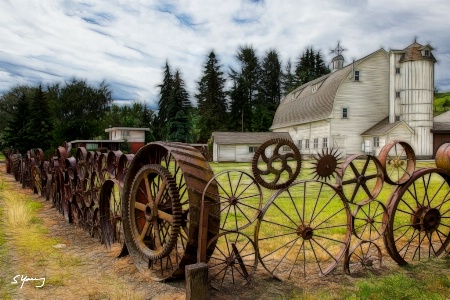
{"points": [[155, 212], [191, 173], [269, 170]]}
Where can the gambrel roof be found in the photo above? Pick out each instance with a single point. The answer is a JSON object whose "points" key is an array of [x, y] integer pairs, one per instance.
{"points": [[304, 104]]}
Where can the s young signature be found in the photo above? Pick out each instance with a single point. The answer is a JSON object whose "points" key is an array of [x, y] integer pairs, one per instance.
{"points": [[24, 278]]}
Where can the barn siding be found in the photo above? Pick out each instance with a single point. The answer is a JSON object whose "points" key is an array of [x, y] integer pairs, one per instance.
{"points": [[367, 102]]}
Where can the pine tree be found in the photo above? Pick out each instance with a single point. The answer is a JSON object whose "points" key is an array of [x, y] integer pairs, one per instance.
{"points": [[269, 93], [39, 128], [310, 66], [178, 127], [164, 98], [16, 130], [246, 81], [288, 79], [212, 106]]}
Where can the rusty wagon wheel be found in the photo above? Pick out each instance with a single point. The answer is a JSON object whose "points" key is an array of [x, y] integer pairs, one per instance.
{"points": [[81, 162], [95, 186], [280, 168], [36, 179], [361, 178], [233, 261], [304, 230], [123, 165], [398, 161], [363, 257], [112, 161], [239, 197], [102, 167], [110, 207], [191, 172], [368, 221], [419, 217]]}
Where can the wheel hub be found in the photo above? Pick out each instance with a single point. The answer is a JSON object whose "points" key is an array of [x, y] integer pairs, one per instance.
{"points": [[426, 219], [367, 262], [305, 232], [362, 179], [230, 261], [233, 200], [148, 213]]}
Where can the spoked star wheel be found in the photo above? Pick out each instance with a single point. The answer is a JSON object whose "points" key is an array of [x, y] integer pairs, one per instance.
{"points": [[364, 257], [304, 230], [419, 217], [361, 178]]}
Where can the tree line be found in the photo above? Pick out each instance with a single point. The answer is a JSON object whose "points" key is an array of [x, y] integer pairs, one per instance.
{"points": [[44, 117]]}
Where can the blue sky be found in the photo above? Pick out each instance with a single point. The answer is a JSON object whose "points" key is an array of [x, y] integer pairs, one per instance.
{"points": [[127, 42]]}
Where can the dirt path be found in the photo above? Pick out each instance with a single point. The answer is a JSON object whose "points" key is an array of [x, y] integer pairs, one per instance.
{"points": [[83, 269]]}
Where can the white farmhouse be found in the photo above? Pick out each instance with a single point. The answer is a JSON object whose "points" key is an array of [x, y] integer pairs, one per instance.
{"points": [[358, 108]]}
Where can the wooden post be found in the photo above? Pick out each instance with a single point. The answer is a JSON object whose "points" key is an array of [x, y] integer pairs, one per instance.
{"points": [[197, 282]]}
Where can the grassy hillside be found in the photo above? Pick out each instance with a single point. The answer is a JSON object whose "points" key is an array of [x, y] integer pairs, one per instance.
{"points": [[439, 100]]}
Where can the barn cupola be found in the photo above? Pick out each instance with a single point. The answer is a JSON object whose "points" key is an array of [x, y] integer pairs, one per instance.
{"points": [[338, 61]]}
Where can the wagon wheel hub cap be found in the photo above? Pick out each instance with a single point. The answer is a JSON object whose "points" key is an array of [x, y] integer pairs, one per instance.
{"points": [[362, 179], [149, 213], [367, 262], [230, 261], [305, 232], [233, 200], [426, 219]]}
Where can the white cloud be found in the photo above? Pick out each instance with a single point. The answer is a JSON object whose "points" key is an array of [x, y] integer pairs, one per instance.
{"points": [[127, 43]]}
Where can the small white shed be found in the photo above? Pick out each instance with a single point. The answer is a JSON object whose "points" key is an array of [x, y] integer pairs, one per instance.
{"points": [[240, 146]]}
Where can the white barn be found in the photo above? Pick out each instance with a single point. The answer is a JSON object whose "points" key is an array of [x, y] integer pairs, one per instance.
{"points": [[240, 146], [358, 108]]}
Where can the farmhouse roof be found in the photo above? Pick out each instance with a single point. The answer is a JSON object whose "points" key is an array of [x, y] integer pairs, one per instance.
{"points": [[413, 52], [441, 123], [229, 138], [384, 127], [305, 104]]}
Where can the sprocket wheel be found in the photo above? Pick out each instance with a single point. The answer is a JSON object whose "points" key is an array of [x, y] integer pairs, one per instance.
{"points": [[155, 212], [268, 170]]}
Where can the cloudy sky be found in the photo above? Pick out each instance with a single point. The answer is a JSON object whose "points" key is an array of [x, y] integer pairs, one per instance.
{"points": [[126, 42]]}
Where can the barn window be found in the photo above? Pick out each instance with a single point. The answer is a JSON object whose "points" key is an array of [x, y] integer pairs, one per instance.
{"points": [[307, 144], [126, 133], [286, 148], [325, 143], [300, 144], [427, 52], [316, 143], [345, 112], [397, 118], [252, 149], [376, 141], [397, 70], [397, 94], [356, 75]]}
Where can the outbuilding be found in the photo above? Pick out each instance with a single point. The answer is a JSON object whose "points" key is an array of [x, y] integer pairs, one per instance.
{"points": [[241, 146]]}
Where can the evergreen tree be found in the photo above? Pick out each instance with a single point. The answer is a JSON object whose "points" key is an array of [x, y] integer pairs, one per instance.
{"points": [[310, 66], [16, 134], [178, 107], [211, 98], [40, 126], [288, 79], [164, 98], [269, 93], [240, 107], [246, 80]]}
